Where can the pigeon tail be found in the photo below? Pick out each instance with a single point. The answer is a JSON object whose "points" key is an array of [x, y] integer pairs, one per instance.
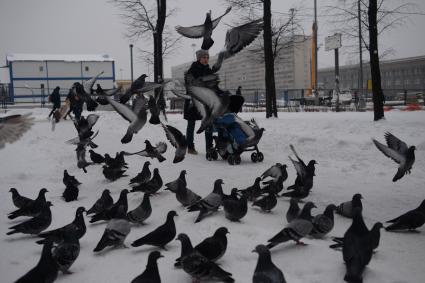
{"points": [[127, 138], [400, 173], [207, 43]]}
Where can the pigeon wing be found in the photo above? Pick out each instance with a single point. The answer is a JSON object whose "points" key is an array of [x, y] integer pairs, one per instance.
{"points": [[161, 147], [13, 127], [298, 167], [88, 84], [191, 32], [395, 143], [239, 37], [389, 152], [174, 136], [123, 110], [92, 119]]}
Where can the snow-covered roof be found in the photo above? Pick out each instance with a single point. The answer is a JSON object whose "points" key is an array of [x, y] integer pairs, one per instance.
{"points": [[59, 57]]}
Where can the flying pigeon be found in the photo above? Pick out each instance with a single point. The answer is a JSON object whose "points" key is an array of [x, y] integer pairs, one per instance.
{"points": [[12, 127], [410, 220], [173, 185], [18, 200], [235, 208], [323, 223], [213, 248], [36, 224], [198, 266], [84, 126], [398, 151], [253, 191], [151, 273], [204, 30], [96, 157], [66, 252], [141, 212], [210, 203], [266, 270], [46, 269], [161, 236], [151, 151], [80, 90], [76, 227], [346, 208], [293, 210], [305, 173], [143, 176], [137, 84], [177, 140], [32, 208], [152, 186], [104, 202]]}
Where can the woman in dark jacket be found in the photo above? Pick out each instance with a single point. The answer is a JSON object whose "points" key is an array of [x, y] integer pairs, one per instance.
{"points": [[55, 98]]}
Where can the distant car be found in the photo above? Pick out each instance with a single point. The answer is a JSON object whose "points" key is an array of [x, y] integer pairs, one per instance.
{"points": [[345, 97]]}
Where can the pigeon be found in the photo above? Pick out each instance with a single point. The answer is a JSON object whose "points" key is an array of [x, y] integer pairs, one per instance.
{"points": [[137, 87], [136, 115], [84, 126], [296, 229], [113, 173], [177, 140], [142, 212], [213, 248], [173, 185], [45, 271], [323, 223], [373, 238], [143, 176], [104, 202], [66, 252], [275, 171], [152, 186], [117, 162], [293, 210], [151, 273], [210, 203], [204, 30], [161, 236], [185, 196], [398, 151], [154, 110], [346, 208], [235, 208], [33, 208], [36, 224], [115, 232], [356, 249], [151, 151], [69, 179], [82, 163], [254, 191], [76, 227], [18, 200], [112, 212], [266, 270], [12, 127], [274, 186], [96, 157], [305, 173], [297, 193], [70, 193], [267, 202], [84, 91], [198, 266], [410, 220]]}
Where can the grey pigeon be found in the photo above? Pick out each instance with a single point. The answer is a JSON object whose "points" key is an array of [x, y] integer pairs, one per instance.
{"points": [[69, 179], [323, 223], [18, 200], [36, 224], [104, 202], [151, 151], [141, 212], [45, 271], [266, 270], [293, 210], [177, 140], [66, 252], [198, 266], [210, 203], [137, 84], [70, 193], [410, 220], [161, 236], [173, 185], [305, 173], [185, 196], [136, 115], [96, 157], [152, 186], [12, 127], [115, 232], [204, 30], [296, 229], [143, 176], [84, 126], [77, 227], [274, 186], [266, 202], [253, 191], [235, 208], [275, 171], [151, 273], [346, 208], [32, 208], [112, 212], [82, 163], [398, 151], [372, 240], [213, 248]]}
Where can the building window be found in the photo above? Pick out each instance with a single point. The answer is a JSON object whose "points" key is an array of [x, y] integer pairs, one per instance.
{"points": [[41, 68], [86, 68]]}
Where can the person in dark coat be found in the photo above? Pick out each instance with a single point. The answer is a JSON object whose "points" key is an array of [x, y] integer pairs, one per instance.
{"points": [[55, 98], [198, 69], [76, 104]]}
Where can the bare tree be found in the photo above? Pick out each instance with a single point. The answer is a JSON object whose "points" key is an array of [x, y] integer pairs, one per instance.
{"points": [[250, 6], [145, 19]]}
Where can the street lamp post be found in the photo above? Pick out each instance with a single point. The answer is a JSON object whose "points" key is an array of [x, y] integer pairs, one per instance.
{"points": [[131, 61]]}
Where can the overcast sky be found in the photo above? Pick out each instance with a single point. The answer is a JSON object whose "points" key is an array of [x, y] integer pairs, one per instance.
{"points": [[95, 27]]}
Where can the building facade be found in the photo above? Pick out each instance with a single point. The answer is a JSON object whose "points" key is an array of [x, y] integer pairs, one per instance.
{"points": [[33, 77]]}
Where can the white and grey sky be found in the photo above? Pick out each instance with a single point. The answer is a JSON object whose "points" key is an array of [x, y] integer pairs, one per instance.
{"points": [[95, 27]]}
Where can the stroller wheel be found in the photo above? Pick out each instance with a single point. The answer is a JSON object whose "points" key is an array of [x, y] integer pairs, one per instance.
{"points": [[254, 157], [260, 157], [237, 159], [231, 160]]}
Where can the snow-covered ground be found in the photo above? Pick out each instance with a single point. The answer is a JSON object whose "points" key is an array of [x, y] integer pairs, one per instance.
{"points": [[348, 163]]}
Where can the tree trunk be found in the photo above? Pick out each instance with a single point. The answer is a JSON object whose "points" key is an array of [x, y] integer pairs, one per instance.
{"points": [[157, 39], [271, 109], [378, 96]]}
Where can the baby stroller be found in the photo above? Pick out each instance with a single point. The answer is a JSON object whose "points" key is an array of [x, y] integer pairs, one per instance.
{"points": [[233, 136]]}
